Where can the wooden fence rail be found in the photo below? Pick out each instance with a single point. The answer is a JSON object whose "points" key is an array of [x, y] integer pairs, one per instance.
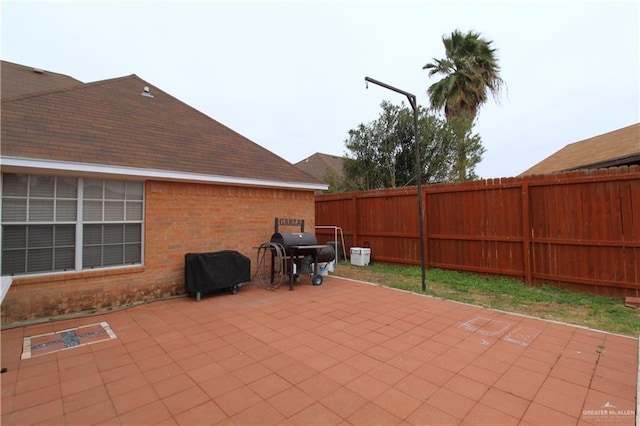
{"points": [[577, 230]]}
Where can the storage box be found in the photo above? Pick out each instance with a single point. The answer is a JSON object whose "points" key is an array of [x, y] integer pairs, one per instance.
{"points": [[323, 269], [360, 256]]}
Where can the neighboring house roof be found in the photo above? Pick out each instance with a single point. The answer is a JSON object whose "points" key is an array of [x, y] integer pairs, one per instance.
{"points": [[318, 165], [617, 148], [112, 125]]}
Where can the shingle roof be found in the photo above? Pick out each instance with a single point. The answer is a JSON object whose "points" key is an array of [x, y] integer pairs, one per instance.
{"points": [[619, 147], [319, 164], [19, 80], [110, 123]]}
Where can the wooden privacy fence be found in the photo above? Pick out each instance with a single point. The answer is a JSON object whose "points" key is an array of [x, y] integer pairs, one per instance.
{"points": [[577, 230]]}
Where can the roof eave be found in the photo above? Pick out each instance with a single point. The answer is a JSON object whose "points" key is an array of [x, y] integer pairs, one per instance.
{"points": [[613, 162], [34, 165]]}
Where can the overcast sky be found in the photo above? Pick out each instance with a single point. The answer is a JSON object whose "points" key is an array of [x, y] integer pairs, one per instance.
{"points": [[289, 75]]}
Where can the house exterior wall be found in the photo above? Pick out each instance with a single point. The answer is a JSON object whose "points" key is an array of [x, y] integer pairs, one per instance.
{"points": [[180, 218]]}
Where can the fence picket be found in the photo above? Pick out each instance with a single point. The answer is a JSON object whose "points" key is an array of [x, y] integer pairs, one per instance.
{"points": [[576, 229]]}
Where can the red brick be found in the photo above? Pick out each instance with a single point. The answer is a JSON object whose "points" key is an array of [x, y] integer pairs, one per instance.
{"points": [[180, 218]]}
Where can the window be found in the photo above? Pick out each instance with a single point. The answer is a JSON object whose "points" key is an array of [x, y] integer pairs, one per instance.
{"points": [[54, 223], [112, 218]]}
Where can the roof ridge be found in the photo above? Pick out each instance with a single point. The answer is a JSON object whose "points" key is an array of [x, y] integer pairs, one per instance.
{"points": [[69, 88], [102, 126], [326, 160], [328, 155], [36, 69]]}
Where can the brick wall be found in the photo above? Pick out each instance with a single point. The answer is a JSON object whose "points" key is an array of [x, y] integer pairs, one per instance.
{"points": [[180, 218]]}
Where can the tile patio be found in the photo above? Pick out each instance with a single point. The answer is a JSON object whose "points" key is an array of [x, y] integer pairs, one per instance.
{"points": [[341, 353]]}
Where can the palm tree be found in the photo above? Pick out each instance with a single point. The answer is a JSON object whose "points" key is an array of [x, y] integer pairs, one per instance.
{"points": [[470, 72]]}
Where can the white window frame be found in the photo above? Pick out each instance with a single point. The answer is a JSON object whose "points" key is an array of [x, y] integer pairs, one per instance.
{"points": [[79, 224]]}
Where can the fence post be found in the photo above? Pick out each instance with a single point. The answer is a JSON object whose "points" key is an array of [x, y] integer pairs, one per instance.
{"points": [[526, 232], [354, 200], [425, 215]]}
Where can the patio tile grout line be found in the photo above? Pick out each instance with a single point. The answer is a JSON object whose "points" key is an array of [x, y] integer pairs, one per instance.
{"points": [[574, 326], [397, 316], [552, 321]]}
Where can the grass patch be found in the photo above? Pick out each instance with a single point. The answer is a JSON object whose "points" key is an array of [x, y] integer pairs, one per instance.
{"points": [[599, 312]]}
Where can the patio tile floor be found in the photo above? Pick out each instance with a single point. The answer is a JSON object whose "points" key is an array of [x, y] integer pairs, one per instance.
{"points": [[341, 353]]}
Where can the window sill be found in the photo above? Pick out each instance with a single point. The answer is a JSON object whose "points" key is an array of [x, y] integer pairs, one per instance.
{"points": [[73, 275]]}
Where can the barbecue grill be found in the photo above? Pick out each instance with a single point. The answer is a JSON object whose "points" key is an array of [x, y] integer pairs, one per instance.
{"points": [[302, 250]]}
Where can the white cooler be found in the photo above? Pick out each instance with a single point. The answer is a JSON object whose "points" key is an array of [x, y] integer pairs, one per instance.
{"points": [[360, 256]]}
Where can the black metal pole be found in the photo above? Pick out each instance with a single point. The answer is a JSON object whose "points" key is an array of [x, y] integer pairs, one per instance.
{"points": [[414, 106], [418, 178]]}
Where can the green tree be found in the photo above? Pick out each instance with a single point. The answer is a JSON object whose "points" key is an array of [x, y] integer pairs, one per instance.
{"points": [[381, 154], [374, 150], [337, 183], [470, 72]]}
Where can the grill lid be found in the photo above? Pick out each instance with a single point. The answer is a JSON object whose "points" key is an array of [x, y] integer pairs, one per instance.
{"points": [[288, 239]]}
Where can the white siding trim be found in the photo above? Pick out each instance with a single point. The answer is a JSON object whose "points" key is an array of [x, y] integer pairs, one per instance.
{"points": [[30, 165]]}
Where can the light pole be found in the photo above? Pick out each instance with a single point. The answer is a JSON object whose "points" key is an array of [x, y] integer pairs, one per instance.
{"points": [[414, 105]]}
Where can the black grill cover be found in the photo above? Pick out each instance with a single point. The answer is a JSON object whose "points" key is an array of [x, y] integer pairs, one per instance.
{"points": [[204, 272]]}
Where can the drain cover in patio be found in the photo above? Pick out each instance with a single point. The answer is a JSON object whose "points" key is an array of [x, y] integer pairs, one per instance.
{"points": [[66, 339]]}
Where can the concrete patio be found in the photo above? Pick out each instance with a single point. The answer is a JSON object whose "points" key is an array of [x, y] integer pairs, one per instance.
{"points": [[344, 352]]}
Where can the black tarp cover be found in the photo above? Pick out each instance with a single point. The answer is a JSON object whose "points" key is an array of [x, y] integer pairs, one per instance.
{"points": [[205, 272]]}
